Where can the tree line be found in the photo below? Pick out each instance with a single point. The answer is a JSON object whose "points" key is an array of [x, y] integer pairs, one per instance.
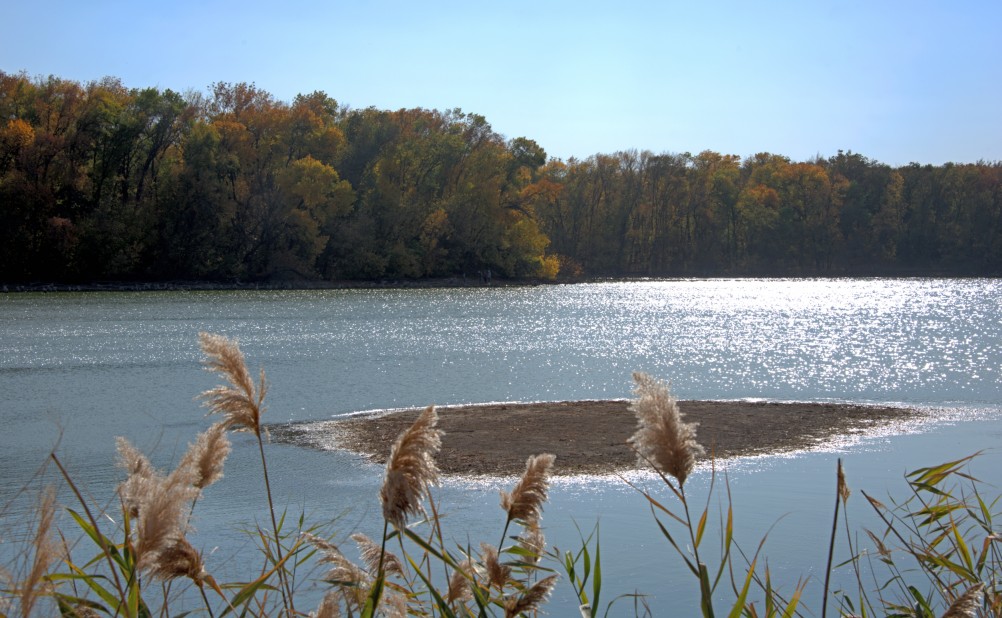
{"points": [[103, 182]]}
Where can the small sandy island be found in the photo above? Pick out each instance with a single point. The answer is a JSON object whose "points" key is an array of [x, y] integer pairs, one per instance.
{"points": [[589, 437]]}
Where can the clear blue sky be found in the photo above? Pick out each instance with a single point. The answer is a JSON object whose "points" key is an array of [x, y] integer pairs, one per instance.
{"points": [[897, 81]]}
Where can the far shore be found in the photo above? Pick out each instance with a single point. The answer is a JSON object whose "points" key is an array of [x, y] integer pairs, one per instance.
{"points": [[471, 280], [589, 437], [292, 284]]}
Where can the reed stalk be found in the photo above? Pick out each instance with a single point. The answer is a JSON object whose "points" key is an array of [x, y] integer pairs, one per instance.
{"points": [[241, 403]]}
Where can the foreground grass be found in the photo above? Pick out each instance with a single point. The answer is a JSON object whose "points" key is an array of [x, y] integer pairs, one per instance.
{"points": [[935, 553]]}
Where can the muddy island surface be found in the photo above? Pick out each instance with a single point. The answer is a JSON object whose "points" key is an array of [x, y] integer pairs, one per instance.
{"points": [[589, 437]]}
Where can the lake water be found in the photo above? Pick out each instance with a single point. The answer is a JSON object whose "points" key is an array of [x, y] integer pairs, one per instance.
{"points": [[76, 370]]}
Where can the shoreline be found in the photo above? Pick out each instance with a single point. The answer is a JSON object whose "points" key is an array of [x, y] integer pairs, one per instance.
{"points": [[457, 281], [213, 286], [589, 437]]}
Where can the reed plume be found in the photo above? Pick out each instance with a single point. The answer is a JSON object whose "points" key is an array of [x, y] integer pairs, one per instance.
{"points": [[525, 502], [394, 605], [459, 584], [206, 456], [967, 605], [139, 474], [662, 439], [532, 541], [240, 402], [370, 552], [330, 606], [158, 503], [498, 574], [351, 580], [411, 469], [843, 487], [45, 553], [178, 559], [531, 599], [162, 515]]}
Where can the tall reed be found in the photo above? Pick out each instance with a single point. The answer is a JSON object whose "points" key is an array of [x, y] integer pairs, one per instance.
{"points": [[241, 403], [665, 442]]}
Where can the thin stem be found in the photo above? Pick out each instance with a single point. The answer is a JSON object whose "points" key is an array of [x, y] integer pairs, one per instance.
{"points": [[831, 549], [285, 590], [436, 531], [504, 533], [379, 571], [688, 520], [208, 608], [703, 574]]}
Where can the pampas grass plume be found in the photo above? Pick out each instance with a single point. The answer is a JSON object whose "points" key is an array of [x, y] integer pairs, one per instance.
{"points": [[163, 505], [843, 487], [140, 474], [240, 402], [206, 456], [967, 605], [371, 551], [459, 583], [179, 559], [661, 438], [533, 541], [352, 581], [34, 585], [498, 574], [330, 606], [525, 502], [530, 599], [411, 469]]}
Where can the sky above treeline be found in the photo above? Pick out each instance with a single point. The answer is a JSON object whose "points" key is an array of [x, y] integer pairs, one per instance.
{"points": [[897, 81]]}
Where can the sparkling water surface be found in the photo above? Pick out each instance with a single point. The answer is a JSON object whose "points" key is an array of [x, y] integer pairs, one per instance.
{"points": [[76, 370]]}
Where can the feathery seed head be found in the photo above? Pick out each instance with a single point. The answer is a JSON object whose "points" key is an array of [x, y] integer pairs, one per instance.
{"points": [[411, 469], [132, 459], [525, 502], [843, 487], [34, 585], [370, 552], [206, 456], [661, 438], [498, 574], [162, 515], [330, 606], [343, 570], [178, 559], [532, 541], [141, 476], [968, 604], [459, 583], [239, 401], [530, 599]]}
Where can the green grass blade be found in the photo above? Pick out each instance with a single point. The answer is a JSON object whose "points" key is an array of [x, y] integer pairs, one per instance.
{"points": [[791, 607], [91, 581], [706, 600], [701, 527], [596, 584], [443, 606], [739, 604], [671, 540], [375, 594], [106, 545]]}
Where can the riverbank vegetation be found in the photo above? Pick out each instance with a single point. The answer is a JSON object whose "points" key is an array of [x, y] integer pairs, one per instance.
{"points": [[933, 554], [101, 182]]}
